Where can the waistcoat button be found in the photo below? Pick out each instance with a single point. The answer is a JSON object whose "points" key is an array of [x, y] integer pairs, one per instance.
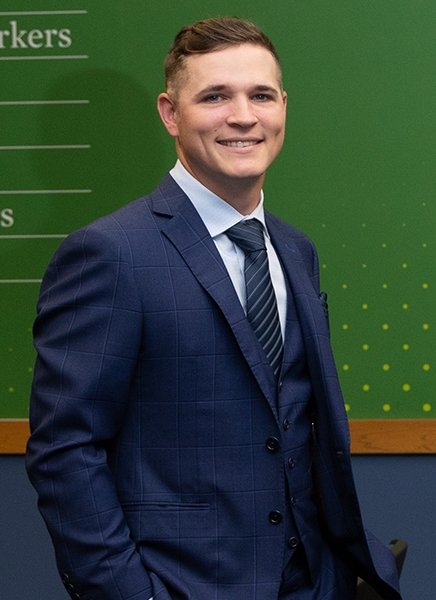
{"points": [[272, 444], [275, 517], [293, 542]]}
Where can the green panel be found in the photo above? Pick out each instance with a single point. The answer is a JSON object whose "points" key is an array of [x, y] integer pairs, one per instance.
{"points": [[80, 136], [17, 355]]}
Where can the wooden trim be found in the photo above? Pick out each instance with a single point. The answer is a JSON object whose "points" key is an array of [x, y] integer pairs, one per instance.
{"points": [[13, 435], [368, 436], [396, 436]]}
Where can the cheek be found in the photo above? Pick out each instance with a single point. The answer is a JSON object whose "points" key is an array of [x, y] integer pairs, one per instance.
{"points": [[281, 129], [195, 131], [275, 121], [280, 124]]}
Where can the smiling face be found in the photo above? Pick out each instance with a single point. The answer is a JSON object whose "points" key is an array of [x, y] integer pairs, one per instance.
{"points": [[228, 119]]}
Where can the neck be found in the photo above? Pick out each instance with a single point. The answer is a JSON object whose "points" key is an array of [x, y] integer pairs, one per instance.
{"points": [[243, 196], [242, 193]]}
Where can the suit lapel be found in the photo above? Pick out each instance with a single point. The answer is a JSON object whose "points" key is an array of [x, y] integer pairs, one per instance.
{"points": [[309, 306], [183, 226], [312, 315]]}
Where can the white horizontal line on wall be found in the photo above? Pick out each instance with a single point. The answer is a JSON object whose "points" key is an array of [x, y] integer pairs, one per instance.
{"points": [[33, 102], [20, 281], [49, 57], [49, 147], [33, 236], [42, 12], [32, 192]]}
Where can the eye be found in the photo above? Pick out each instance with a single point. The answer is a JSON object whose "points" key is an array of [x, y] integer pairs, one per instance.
{"points": [[262, 97], [213, 98]]}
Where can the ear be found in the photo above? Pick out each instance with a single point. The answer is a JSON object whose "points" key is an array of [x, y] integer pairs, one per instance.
{"points": [[167, 112], [285, 103]]}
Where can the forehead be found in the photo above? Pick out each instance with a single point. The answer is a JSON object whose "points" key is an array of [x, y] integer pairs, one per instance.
{"points": [[246, 64]]}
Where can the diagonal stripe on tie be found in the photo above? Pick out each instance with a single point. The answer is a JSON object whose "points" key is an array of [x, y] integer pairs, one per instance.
{"points": [[262, 311]]}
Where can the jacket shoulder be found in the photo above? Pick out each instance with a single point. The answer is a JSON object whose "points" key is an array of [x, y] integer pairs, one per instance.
{"points": [[138, 213], [298, 238]]}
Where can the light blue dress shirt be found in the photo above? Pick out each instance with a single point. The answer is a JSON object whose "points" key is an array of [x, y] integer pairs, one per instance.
{"points": [[218, 216]]}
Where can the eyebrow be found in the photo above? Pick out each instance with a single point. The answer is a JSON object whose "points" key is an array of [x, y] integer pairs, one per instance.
{"points": [[211, 89]]}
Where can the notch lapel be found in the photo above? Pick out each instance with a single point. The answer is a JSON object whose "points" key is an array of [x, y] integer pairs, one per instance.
{"points": [[312, 314], [188, 234], [309, 305]]}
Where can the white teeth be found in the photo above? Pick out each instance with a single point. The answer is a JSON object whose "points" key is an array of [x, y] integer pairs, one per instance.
{"points": [[239, 143]]}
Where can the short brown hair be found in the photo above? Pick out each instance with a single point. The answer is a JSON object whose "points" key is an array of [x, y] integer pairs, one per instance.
{"points": [[209, 35]]}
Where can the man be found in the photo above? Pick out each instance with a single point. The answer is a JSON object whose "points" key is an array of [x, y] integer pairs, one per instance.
{"points": [[189, 439]]}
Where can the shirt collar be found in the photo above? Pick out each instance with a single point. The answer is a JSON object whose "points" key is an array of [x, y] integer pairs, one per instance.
{"points": [[216, 213]]}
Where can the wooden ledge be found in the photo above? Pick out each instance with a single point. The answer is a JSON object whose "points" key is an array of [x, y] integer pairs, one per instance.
{"points": [[368, 436], [395, 436], [14, 434]]}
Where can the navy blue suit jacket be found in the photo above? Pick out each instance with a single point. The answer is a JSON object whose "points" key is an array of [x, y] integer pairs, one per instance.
{"points": [[151, 404]]}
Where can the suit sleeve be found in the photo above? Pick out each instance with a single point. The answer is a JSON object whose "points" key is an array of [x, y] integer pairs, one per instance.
{"points": [[87, 336]]}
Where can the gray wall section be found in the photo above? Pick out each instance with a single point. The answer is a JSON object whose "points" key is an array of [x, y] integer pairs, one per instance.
{"points": [[397, 496], [398, 499]]}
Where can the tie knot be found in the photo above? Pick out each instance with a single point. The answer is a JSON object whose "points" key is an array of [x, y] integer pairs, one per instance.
{"points": [[248, 235]]}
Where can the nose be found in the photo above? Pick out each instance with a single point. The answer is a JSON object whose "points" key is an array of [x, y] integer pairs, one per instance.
{"points": [[242, 113]]}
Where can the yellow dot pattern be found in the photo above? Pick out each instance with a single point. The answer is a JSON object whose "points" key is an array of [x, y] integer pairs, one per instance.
{"points": [[378, 279]]}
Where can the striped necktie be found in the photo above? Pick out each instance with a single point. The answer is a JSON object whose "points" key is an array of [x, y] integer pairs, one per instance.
{"points": [[261, 307]]}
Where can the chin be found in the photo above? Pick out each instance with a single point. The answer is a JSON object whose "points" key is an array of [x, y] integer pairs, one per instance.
{"points": [[249, 174], [246, 170]]}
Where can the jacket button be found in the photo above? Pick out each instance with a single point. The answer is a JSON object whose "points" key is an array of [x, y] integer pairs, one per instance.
{"points": [[293, 542], [272, 444], [275, 517]]}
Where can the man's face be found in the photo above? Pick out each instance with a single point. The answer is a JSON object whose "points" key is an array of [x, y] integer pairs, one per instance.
{"points": [[229, 116]]}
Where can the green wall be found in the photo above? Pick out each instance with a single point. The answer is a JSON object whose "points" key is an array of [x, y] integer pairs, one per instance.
{"points": [[80, 136]]}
